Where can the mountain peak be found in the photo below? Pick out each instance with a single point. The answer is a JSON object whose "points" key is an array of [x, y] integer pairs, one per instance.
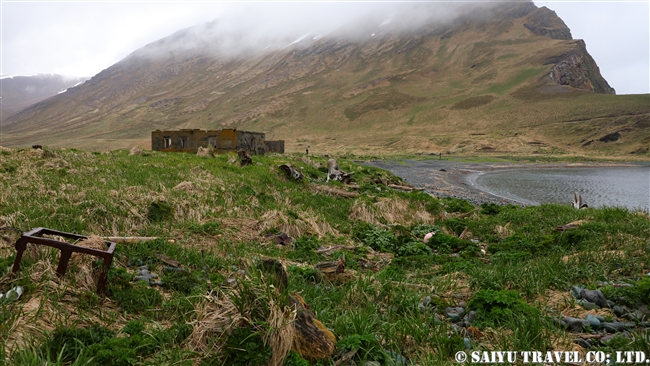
{"points": [[416, 85]]}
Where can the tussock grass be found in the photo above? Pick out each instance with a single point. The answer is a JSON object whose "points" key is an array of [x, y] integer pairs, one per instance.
{"points": [[232, 213]]}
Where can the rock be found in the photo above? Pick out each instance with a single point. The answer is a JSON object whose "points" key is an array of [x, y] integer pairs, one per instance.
{"points": [[462, 304], [594, 323], [614, 327], [454, 313], [586, 304], [584, 343], [607, 338], [395, 359], [426, 301], [134, 263], [574, 324], [471, 316], [595, 296], [169, 269], [576, 291], [620, 310], [424, 305], [634, 316], [144, 275]]}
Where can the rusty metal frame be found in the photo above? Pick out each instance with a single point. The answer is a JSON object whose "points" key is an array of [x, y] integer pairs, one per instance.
{"points": [[34, 236]]}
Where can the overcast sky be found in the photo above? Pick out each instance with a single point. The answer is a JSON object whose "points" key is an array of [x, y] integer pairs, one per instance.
{"points": [[83, 38]]}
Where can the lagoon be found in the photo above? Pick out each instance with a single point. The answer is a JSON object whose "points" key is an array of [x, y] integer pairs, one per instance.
{"points": [[625, 186]]}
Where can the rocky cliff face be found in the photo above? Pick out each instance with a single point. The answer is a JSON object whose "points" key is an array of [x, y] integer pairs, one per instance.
{"points": [[579, 70], [545, 22]]}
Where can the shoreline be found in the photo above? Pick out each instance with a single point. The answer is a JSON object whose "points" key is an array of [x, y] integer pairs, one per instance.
{"points": [[444, 178]]}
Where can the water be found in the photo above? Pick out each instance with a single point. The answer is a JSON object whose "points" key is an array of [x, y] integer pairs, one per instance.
{"points": [[602, 186]]}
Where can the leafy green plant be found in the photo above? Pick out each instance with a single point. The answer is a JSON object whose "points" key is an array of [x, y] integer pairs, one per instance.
{"points": [[452, 204], [638, 293], [183, 281], [367, 346], [70, 341], [294, 359], [376, 237], [306, 242], [496, 308], [245, 347], [132, 297], [160, 211]]}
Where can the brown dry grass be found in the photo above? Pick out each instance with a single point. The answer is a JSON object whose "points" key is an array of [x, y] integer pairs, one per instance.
{"points": [[40, 314], [307, 223], [218, 315]]}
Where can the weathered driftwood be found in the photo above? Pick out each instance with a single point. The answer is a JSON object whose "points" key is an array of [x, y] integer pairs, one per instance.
{"points": [[570, 226], [283, 239], [333, 267], [334, 248], [291, 172], [335, 191], [170, 261], [132, 239], [334, 173], [403, 188]]}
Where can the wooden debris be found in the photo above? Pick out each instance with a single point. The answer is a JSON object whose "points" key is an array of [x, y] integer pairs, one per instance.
{"points": [[345, 359], [167, 260], [132, 239], [283, 239], [335, 248], [570, 226], [401, 187], [333, 267]]}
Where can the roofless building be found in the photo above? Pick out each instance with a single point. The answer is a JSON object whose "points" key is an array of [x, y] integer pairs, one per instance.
{"points": [[223, 141]]}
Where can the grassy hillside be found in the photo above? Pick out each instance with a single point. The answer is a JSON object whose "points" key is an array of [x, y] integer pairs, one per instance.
{"points": [[508, 264], [473, 86]]}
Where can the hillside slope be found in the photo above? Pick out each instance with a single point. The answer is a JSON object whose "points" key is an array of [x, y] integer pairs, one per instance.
{"points": [[19, 92], [511, 81]]}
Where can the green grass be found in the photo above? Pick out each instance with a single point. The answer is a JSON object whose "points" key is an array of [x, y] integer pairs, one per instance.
{"points": [[228, 211], [520, 78]]}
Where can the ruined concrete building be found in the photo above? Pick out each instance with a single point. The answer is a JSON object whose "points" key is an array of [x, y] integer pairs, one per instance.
{"points": [[189, 140]]}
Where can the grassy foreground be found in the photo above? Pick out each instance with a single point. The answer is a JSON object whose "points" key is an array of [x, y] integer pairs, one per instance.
{"points": [[508, 264]]}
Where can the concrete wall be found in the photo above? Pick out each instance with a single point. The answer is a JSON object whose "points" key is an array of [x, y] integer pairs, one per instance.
{"points": [[276, 146], [189, 140]]}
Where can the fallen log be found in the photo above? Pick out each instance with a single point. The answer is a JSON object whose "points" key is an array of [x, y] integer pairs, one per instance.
{"points": [[335, 248], [403, 188], [133, 239]]}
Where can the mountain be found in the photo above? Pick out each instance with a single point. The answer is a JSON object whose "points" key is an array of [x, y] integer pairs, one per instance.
{"points": [[19, 92], [505, 77]]}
